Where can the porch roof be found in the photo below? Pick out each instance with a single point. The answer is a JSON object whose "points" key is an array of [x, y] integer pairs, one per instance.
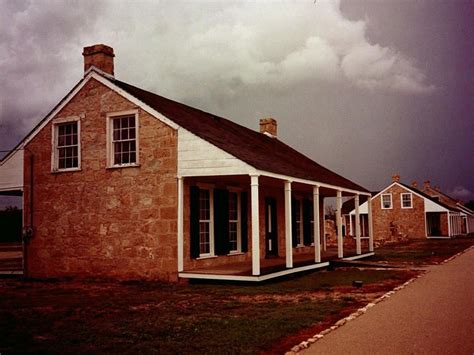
{"points": [[256, 149]]}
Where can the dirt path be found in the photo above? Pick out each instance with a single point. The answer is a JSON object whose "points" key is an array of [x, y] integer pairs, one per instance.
{"points": [[434, 315]]}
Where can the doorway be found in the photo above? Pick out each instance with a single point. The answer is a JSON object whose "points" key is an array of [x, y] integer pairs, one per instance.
{"points": [[433, 222]]}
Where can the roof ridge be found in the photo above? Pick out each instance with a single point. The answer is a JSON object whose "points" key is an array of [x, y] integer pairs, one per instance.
{"points": [[229, 135]]}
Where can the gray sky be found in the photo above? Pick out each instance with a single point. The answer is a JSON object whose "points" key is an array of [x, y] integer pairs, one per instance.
{"points": [[366, 88]]}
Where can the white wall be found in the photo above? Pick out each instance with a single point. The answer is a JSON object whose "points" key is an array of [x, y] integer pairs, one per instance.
{"points": [[11, 172], [196, 157]]}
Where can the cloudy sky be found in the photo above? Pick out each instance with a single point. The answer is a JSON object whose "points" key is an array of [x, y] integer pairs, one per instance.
{"points": [[364, 87]]}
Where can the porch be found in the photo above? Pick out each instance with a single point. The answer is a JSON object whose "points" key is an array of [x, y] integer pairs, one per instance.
{"points": [[270, 268], [287, 216]]}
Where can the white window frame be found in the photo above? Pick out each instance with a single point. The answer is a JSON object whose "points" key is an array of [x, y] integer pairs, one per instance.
{"points": [[411, 199], [239, 222], [210, 222], [54, 143], [381, 201], [110, 154]]}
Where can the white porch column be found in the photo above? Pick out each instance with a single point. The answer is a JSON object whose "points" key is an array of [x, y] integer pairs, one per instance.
{"points": [[340, 246], [316, 225], [351, 230], [449, 224], [288, 227], [255, 225], [180, 224], [357, 223], [371, 230]]}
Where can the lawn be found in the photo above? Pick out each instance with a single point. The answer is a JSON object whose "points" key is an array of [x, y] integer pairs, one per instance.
{"points": [[152, 317], [422, 251]]}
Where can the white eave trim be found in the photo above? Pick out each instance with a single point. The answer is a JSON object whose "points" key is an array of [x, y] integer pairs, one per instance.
{"points": [[309, 182], [92, 74]]}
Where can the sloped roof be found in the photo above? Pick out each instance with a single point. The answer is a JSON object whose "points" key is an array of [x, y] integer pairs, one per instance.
{"points": [[425, 195], [256, 149]]}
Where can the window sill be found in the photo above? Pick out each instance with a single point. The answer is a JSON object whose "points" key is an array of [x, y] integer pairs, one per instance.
{"points": [[206, 257], [123, 166], [235, 253], [71, 170]]}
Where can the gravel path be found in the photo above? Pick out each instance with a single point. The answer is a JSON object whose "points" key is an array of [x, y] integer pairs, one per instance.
{"points": [[433, 315]]}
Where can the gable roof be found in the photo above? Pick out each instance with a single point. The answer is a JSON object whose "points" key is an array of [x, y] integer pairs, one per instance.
{"points": [[256, 149], [419, 193]]}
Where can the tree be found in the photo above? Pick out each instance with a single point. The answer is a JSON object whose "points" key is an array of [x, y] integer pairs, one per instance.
{"points": [[330, 212]]}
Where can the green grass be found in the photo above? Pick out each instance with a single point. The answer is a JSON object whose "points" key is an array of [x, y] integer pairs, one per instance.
{"points": [[153, 317], [322, 280]]}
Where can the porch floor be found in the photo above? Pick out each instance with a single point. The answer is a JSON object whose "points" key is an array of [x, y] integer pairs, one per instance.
{"points": [[269, 267]]}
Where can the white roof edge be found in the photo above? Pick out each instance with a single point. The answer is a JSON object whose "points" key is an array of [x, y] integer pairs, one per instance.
{"points": [[411, 191], [97, 74], [309, 182]]}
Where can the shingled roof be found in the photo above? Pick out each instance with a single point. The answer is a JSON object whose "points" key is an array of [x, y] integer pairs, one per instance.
{"points": [[256, 149]]}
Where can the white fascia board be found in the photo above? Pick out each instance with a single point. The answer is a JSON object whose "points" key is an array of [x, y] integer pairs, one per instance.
{"points": [[309, 182], [92, 74], [388, 187], [133, 99], [362, 209]]}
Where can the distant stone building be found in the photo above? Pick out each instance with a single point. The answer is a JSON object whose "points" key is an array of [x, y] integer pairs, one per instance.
{"points": [[401, 211]]}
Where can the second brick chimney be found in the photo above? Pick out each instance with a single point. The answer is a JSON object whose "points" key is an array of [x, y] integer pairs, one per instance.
{"points": [[268, 125], [427, 184], [414, 184], [99, 56]]}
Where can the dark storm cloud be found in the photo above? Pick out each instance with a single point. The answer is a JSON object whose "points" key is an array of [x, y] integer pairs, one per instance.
{"points": [[349, 88], [39, 42]]}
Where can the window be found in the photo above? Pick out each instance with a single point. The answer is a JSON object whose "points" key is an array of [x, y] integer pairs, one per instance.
{"points": [[407, 200], [206, 237], [386, 201], [123, 139], [66, 146], [299, 222], [234, 223]]}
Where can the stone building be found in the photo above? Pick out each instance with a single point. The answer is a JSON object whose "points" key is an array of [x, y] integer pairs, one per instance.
{"points": [[120, 182], [401, 211]]}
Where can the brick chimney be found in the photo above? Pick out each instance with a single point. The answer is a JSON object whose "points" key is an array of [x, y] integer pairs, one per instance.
{"points": [[396, 177], [99, 56], [426, 184], [414, 184], [268, 125]]}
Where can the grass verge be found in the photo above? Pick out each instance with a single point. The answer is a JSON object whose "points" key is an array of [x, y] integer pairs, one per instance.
{"points": [[152, 317]]}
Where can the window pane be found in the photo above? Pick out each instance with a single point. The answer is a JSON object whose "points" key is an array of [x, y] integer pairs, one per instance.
{"points": [[116, 124], [124, 137], [68, 145]]}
